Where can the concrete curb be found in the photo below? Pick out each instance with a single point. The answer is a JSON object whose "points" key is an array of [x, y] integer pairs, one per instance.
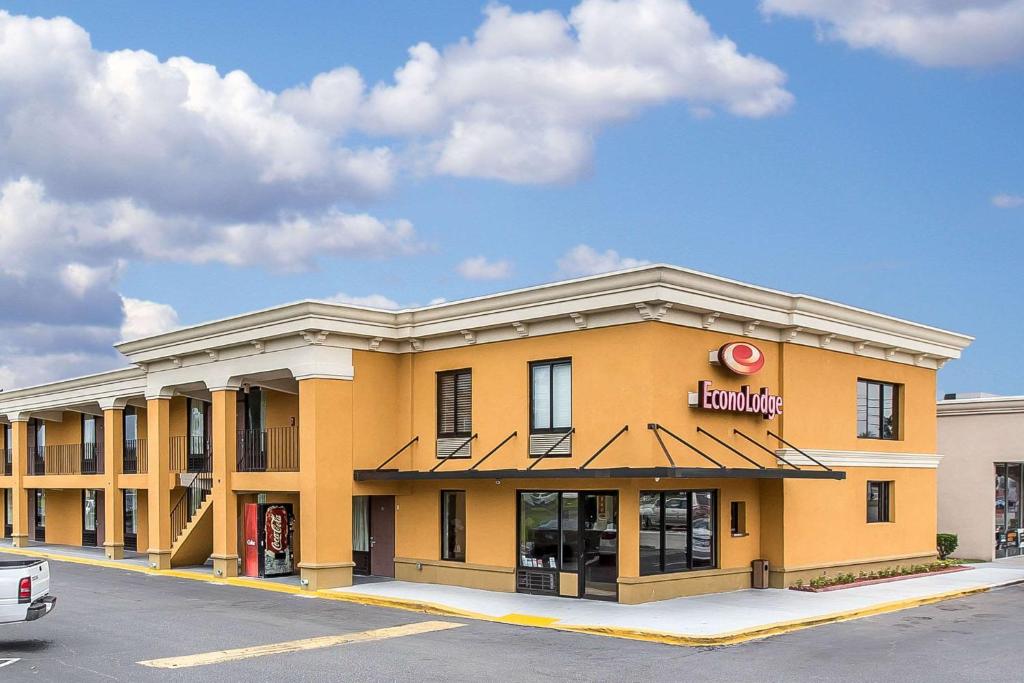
{"points": [[534, 621]]}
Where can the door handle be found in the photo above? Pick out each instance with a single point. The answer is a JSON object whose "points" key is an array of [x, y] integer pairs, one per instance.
{"points": [[372, 542]]}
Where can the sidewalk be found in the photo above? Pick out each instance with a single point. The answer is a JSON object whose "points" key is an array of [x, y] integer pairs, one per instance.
{"points": [[720, 618], [717, 619]]}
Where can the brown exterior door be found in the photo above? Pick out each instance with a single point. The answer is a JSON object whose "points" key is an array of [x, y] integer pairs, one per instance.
{"points": [[382, 535]]}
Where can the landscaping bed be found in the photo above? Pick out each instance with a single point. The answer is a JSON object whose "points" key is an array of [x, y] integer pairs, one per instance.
{"points": [[825, 583]]}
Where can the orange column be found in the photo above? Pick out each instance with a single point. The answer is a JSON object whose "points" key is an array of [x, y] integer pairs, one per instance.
{"points": [[325, 482], [158, 428], [19, 466], [113, 505], [225, 503]]}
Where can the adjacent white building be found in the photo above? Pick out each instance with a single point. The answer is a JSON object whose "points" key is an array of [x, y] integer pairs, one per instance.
{"points": [[981, 474]]}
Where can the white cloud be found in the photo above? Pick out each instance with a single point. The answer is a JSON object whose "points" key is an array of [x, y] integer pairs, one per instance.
{"points": [[523, 100], [146, 318], [585, 260], [480, 268], [1007, 201], [370, 301], [929, 32]]}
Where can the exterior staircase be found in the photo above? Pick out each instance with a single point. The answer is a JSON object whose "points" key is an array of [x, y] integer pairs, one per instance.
{"points": [[192, 521]]}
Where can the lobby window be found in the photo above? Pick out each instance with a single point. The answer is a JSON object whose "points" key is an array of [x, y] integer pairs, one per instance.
{"points": [[879, 501], [453, 526], [455, 404], [677, 531], [738, 518], [877, 410]]}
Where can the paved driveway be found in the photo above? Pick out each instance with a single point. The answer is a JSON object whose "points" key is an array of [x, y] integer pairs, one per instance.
{"points": [[107, 620]]}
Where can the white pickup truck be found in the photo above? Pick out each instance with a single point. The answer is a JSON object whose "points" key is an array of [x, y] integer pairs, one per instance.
{"points": [[25, 591]]}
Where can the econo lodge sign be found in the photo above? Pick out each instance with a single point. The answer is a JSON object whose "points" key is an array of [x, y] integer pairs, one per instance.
{"points": [[741, 358]]}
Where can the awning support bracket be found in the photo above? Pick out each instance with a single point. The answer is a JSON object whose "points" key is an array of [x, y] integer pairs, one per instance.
{"points": [[549, 451], [396, 453], [495, 449], [701, 430], [815, 461], [625, 428], [657, 427], [453, 453], [765, 449]]}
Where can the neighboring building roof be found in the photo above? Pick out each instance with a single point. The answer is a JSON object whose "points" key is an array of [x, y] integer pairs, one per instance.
{"points": [[988, 405]]}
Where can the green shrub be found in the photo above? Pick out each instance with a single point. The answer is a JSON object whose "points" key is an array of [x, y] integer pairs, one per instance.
{"points": [[945, 544]]}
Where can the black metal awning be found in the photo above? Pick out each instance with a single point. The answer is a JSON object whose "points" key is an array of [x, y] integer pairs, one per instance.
{"points": [[757, 471], [604, 473]]}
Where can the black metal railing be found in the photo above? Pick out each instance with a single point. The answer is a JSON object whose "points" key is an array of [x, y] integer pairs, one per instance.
{"points": [[135, 457], [70, 458], [92, 458], [275, 449], [196, 492], [37, 460], [189, 454]]}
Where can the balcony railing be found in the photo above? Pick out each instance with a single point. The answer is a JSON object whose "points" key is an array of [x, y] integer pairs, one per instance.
{"points": [[136, 457], [275, 449], [73, 458], [189, 454]]}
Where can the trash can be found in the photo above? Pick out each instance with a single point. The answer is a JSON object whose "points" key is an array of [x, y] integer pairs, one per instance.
{"points": [[759, 575]]}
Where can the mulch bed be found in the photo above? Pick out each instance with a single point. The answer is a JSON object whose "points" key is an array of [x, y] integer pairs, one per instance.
{"points": [[870, 582]]}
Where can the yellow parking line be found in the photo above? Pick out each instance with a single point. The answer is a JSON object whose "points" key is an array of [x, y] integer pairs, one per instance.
{"points": [[221, 656]]}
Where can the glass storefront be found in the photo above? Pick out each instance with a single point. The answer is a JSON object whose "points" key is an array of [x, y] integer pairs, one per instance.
{"points": [[568, 532], [1009, 525]]}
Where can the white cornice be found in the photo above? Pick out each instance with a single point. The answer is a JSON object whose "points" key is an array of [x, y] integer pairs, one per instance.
{"points": [[859, 458], [989, 405], [313, 338], [78, 391], [666, 293]]}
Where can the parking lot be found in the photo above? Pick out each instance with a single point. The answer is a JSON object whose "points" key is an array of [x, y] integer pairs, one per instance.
{"points": [[118, 625]]}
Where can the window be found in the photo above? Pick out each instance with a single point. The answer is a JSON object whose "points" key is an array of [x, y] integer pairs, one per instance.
{"points": [[539, 529], [551, 396], [879, 501], [677, 531], [738, 518], [455, 404], [453, 526], [877, 410]]}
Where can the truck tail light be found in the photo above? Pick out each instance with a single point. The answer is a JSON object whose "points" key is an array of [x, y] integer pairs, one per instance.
{"points": [[25, 590]]}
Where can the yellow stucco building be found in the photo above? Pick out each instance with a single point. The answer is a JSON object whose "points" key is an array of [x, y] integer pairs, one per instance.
{"points": [[631, 436]]}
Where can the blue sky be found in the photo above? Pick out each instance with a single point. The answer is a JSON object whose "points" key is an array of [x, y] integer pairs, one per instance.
{"points": [[873, 187]]}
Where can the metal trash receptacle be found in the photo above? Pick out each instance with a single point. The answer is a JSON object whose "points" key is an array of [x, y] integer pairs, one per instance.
{"points": [[759, 574]]}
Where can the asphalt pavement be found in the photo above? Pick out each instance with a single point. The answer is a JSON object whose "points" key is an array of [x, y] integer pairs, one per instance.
{"points": [[109, 620]]}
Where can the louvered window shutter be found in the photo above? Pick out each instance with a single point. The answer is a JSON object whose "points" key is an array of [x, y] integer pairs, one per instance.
{"points": [[464, 403], [446, 404]]}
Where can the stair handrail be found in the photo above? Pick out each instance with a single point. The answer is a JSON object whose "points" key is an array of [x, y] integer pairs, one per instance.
{"points": [[187, 497]]}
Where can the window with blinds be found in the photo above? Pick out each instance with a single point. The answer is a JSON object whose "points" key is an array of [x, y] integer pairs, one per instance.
{"points": [[551, 396], [455, 403]]}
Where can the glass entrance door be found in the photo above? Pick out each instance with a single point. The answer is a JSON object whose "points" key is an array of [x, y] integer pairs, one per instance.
{"points": [[568, 536], [1009, 479], [599, 554], [89, 517]]}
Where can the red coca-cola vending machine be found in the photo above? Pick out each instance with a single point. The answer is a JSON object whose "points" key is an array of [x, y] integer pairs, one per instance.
{"points": [[268, 539]]}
